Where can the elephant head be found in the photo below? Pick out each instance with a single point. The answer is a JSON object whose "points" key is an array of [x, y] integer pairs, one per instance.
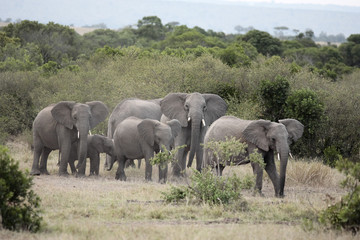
{"points": [[103, 144], [81, 117], [157, 134], [267, 135], [195, 111]]}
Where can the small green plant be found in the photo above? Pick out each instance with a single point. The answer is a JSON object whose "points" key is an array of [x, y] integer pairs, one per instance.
{"points": [[19, 205], [206, 187], [226, 151], [164, 157], [346, 213], [331, 155]]}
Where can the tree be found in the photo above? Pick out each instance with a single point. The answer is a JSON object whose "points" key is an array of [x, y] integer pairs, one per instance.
{"points": [[151, 28], [263, 42]]}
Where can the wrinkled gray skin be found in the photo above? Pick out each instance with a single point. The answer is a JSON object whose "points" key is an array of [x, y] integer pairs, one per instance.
{"points": [[58, 126], [195, 113], [136, 138], [96, 144], [261, 135], [132, 107]]}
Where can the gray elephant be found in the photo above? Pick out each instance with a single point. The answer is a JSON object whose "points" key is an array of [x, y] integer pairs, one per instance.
{"points": [[136, 138], [136, 108], [58, 126], [195, 113], [261, 135], [96, 144]]}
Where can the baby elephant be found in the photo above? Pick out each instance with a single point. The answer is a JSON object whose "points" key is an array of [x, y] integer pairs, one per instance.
{"points": [[136, 138], [96, 144]]}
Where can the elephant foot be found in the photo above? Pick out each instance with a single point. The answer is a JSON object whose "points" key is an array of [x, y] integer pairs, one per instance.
{"points": [[80, 175], [35, 172], [63, 174], [44, 171], [258, 192], [120, 177], [162, 181]]}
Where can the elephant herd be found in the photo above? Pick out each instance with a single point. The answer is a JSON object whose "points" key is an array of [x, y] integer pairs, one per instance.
{"points": [[139, 128]]}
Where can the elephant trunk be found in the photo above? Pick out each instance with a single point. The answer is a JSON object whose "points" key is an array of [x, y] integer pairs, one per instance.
{"points": [[82, 152], [195, 138], [284, 156]]}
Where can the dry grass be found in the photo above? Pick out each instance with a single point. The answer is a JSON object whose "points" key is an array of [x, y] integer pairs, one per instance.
{"points": [[103, 208]]}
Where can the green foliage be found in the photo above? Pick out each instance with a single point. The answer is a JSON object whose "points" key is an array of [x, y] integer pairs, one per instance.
{"points": [[331, 156], [273, 95], [207, 188], [17, 110], [227, 151], [19, 205], [164, 157], [305, 106], [263, 42], [346, 213]]}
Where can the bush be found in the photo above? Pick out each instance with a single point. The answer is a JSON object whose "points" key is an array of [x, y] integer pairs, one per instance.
{"points": [[205, 187], [346, 213], [273, 95], [305, 106], [19, 206]]}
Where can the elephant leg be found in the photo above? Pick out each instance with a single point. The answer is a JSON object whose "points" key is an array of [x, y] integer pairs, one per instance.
{"points": [[35, 166], [180, 166], [94, 163], [43, 162], [199, 158], [219, 169], [148, 167], [163, 169], [139, 163], [258, 171], [120, 173], [270, 168], [72, 158], [129, 163], [65, 154]]}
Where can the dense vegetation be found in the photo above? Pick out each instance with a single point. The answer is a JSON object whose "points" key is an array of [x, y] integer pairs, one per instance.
{"points": [[259, 75]]}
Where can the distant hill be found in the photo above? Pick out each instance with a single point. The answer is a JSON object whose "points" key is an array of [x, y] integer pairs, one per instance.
{"points": [[215, 15]]}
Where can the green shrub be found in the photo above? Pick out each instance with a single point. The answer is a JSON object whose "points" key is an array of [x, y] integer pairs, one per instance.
{"points": [[19, 205], [206, 187], [273, 95], [305, 106], [346, 213], [331, 156]]}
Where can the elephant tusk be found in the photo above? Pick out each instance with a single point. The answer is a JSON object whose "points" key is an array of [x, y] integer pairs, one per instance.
{"points": [[90, 132], [278, 156], [291, 155], [78, 134], [203, 122], [189, 119]]}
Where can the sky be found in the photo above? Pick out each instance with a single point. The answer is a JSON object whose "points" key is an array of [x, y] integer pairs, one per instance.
{"points": [[321, 2]]}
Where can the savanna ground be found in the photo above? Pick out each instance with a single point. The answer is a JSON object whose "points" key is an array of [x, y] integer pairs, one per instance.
{"points": [[103, 208]]}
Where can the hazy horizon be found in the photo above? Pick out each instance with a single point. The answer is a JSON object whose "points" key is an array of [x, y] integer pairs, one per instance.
{"points": [[217, 15]]}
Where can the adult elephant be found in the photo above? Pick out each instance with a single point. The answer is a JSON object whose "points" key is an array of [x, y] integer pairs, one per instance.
{"points": [[58, 126], [132, 107], [261, 135], [195, 111]]}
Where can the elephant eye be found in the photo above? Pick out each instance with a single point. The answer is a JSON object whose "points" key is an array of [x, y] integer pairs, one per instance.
{"points": [[204, 108], [186, 106]]}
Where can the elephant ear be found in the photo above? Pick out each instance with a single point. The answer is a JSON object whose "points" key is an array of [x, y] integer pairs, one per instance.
{"points": [[99, 112], [146, 129], [97, 141], [294, 128], [172, 106], [216, 108], [255, 133], [175, 127], [61, 112]]}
